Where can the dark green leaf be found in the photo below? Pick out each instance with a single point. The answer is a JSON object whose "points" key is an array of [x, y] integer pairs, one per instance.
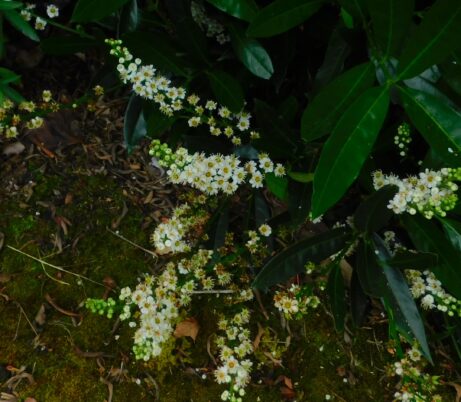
{"points": [[9, 5], [11, 93], [451, 74], [299, 201], [337, 296], [59, 45], [401, 294], [282, 15], [369, 272], [438, 123], [391, 19], [434, 39], [301, 177], [7, 76], [373, 214], [157, 122], [428, 237], [292, 259], [322, 114], [90, 10], [251, 53], [359, 300], [413, 260], [227, 90], [262, 211], [222, 226], [333, 63], [357, 8], [134, 128], [157, 51], [130, 17], [243, 9], [277, 185], [15, 19], [453, 231], [355, 135]]}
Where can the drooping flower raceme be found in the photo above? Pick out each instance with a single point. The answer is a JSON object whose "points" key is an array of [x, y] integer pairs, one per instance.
{"points": [[212, 28], [212, 174], [431, 192], [426, 288], [149, 84]]}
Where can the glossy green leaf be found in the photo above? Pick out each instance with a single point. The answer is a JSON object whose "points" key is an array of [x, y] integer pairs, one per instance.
{"points": [[157, 51], [7, 76], [292, 259], [373, 214], [156, 121], [391, 19], [11, 94], [90, 10], [338, 50], [301, 176], [348, 147], [322, 114], [426, 236], [130, 17], [277, 185], [243, 9], [359, 300], [336, 295], [414, 260], [438, 123], [15, 19], [369, 272], [399, 291], [451, 74], [227, 90], [251, 53], [453, 231], [9, 5], [434, 39], [356, 8], [60, 45], [282, 15], [134, 128]]}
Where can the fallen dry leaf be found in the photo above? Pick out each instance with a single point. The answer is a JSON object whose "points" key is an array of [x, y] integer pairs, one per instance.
{"points": [[189, 327], [5, 278], [287, 393], [29, 399], [13, 149], [40, 318]]}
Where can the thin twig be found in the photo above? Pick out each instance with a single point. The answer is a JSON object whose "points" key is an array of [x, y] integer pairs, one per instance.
{"points": [[132, 243], [27, 318], [55, 266], [206, 292]]}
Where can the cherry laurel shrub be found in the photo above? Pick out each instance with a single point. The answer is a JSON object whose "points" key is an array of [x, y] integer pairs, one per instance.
{"points": [[345, 114]]}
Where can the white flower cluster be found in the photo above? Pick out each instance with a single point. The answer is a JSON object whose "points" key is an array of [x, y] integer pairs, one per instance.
{"points": [[212, 27], [234, 347], [40, 23], [431, 192], [149, 84], [403, 138], [168, 237], [428, 289], [293, 303], [158, 308], [215, 173], [158, 301], [415, 385]]}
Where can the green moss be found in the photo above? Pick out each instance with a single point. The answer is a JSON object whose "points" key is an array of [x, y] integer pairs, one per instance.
{"points": [[314, 361]]}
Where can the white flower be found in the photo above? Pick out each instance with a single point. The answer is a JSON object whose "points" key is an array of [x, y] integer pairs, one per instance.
{"points": [[40, 24], [427, 302], [52, 11], [265, 230]]}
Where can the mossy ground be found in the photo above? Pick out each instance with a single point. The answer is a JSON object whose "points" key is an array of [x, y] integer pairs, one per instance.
{"points": [[318, 361]]}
